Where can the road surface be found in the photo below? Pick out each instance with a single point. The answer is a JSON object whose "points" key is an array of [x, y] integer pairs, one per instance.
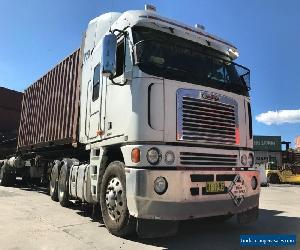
{"points": [[29, 219]]}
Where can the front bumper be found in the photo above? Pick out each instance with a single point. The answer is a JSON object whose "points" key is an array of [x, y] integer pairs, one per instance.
{"points": [[178, 202]]}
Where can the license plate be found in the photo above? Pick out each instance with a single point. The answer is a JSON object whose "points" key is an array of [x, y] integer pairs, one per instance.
{"points": [[215, 186]]}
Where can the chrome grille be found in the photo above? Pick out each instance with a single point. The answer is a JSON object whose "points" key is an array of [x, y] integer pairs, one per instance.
{"points": [[205, 159], [206, 121]]}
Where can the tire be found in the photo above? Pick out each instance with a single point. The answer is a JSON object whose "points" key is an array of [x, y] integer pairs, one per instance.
{"points": [[7, 178], [3, 177], [113, 201], [274, 179], [53, 186], [63, 184]]}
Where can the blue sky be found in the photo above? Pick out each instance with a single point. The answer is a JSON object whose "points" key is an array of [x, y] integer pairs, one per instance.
{"points": [[36, 34]]}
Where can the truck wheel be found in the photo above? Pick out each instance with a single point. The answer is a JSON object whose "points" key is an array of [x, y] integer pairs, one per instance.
{"points": [[113, 201], [63, 186], [54, 181]]}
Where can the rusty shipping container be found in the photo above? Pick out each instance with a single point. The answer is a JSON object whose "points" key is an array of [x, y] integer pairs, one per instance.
{"points": [[50, 107], [10, 110]]}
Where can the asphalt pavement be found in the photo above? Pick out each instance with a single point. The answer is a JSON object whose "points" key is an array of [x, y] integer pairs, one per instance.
{"points": [[29, 219]]}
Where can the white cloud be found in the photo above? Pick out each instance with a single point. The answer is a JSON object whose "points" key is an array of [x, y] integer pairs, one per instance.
{"points": [[279, 117]]}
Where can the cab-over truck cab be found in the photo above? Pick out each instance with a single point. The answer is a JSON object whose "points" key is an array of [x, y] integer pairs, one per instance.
{"points": [[163, 133], [165, 113]]}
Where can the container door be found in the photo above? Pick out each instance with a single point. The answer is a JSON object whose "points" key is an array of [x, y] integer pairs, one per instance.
{"points": [[96, 100]]}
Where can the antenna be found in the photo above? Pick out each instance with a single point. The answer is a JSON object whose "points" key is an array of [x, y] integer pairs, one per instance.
{"points": [[110, 21]]}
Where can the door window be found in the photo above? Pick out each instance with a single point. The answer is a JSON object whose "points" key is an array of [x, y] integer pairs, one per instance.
{"points": [[96, 82]]}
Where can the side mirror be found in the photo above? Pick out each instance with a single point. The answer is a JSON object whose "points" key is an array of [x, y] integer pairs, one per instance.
{"points": [[109, 51]]}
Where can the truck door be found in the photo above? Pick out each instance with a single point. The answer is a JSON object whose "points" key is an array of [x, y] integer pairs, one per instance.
{"points": [[97, 104]]}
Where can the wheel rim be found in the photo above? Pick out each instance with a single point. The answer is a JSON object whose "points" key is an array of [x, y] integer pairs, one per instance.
{"points": [[52, 184], [61, 188], [114, 199], [61, 192]]}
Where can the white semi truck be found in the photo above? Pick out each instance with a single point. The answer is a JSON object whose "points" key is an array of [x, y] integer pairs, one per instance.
{"points": [[150, 118]]}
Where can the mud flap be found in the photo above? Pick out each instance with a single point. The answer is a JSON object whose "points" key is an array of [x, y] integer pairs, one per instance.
{"points": [[248, 216], [156, 228]]}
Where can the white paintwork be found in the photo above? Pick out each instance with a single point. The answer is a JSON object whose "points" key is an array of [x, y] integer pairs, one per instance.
{"points": [[126, 150], [125, 107], [120, 114]]}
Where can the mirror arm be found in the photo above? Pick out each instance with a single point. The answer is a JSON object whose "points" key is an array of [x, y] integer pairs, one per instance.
{"points": [[124, 32], [118, 83]]}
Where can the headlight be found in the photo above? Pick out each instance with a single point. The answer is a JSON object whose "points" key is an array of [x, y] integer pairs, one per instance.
{"points": [[169, 157], [244, 159], [153, 156], [254, 183], [251, 159], [160, 185]]}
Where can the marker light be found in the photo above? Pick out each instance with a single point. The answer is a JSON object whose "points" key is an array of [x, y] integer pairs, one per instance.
{"points": [[234, 53], [135, 155], [150, 7]]}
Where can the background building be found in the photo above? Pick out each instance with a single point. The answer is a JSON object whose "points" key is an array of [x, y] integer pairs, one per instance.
{"points": [[297, 142], [267, 149]]}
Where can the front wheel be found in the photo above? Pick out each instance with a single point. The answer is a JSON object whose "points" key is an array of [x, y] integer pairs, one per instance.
{"points": [[113, 201]]}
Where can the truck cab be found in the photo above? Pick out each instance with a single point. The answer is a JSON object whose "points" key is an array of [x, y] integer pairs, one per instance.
{"points": [[170, 97], [150, 119]]}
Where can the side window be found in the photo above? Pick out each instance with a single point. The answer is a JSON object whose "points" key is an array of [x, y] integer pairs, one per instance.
{"points": [[120, 59], [250, 121], [96, 82]]}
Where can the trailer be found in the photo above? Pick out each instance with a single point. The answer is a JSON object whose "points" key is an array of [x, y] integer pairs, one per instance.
{"points": [[150, 120], [10, 111]]}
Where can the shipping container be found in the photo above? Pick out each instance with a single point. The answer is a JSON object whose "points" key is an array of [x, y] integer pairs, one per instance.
{"points": [[50, 107], [10, 110]]}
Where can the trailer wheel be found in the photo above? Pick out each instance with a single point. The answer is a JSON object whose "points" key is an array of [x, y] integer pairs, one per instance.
{"points": [[113, 201], [63, 186], [7, 178], [54, 181]]}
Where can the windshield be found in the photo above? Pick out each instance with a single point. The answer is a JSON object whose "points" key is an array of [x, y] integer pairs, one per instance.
{"points": [[161, 54]]}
